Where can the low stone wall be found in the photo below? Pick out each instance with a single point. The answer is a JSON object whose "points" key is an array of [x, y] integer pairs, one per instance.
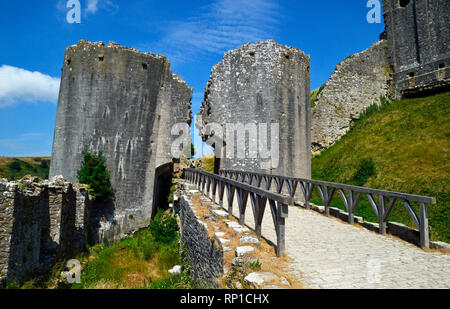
{"points": [[41, 222], [201, 251]]}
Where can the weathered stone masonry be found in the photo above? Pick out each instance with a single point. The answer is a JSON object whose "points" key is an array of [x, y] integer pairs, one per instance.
{"points": [[40, 222], [262, 83], [122, 102], [357, 83], [202, 252], [418, 32]]}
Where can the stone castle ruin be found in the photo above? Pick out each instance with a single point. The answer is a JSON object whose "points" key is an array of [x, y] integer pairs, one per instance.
{"points": [[41, 222], [358, 82], [418, 34], [262, 83], [125, 103], [122, 102], [412, 59]]}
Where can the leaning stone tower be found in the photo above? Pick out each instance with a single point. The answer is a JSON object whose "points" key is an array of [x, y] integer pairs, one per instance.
{"points": [[261, 84], [122, 102]]}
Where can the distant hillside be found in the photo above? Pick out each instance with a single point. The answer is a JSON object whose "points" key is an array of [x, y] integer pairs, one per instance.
{"points": [[402, 146], [16, 168], [207, 163]]}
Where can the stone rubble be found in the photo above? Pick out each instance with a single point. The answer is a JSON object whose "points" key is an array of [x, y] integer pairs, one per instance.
{"points": [[260, 278]]}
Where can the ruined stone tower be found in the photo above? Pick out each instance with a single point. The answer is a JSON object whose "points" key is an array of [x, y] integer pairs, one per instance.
{"points": [[122, 102], [261, 84], [359, 81], [418, 34]]}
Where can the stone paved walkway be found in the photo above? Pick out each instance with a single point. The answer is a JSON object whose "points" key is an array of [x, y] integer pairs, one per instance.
{"points": [[328, 253]]}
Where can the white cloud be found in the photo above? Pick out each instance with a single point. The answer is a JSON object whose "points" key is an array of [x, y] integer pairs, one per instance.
{"points": [[218, 27], [92, 6], [18, 85]]}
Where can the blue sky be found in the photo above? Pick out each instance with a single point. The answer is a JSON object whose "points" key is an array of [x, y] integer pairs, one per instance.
{"points": [[194, 35]]}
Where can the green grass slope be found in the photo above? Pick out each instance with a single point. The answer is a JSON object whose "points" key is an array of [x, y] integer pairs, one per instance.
{"points": [[16, 168], [403, 146]]}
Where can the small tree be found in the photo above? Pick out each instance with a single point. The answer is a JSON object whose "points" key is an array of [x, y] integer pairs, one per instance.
{"points": [[93, 173]]}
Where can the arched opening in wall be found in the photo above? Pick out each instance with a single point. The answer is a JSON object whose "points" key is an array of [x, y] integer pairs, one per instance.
{"points": [[403, 3], [162, 185]]}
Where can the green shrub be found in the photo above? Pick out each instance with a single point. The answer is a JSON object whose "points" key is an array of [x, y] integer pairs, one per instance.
{"points": [[93, 173], [164, 227]]}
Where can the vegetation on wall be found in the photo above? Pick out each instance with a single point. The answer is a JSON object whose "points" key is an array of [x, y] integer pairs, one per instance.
{"points": [[315, 95], [93, 173]]}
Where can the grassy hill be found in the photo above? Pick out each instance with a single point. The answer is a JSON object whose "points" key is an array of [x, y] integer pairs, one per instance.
{"points": [[403, 146], [208, 163], [16, 168]]}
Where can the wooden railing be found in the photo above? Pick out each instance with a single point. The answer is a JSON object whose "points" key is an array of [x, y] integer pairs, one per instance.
{"points": [[351, 196], [214, 185]]}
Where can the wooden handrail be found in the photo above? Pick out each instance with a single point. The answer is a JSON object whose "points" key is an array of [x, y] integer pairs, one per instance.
{"points": [[351, 196], [210, 184]]}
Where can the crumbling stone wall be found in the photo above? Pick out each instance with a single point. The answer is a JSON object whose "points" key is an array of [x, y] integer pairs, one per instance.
{"points": [[202, 253], [83, 210], [418, 32], [40, 222], [357, 83], [256, 84], [122, 102]]}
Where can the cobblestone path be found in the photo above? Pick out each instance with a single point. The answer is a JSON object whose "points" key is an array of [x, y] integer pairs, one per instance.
{"points": [[329, 253]]}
